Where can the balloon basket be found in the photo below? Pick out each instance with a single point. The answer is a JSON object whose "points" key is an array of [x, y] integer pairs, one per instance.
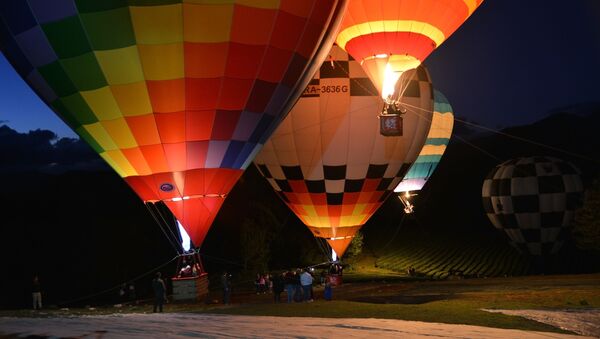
{"points": [[190, 281], [190, 288], [390, 125], [335, 279]]}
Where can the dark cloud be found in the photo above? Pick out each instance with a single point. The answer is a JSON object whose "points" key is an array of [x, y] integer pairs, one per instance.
{"points": [[42, 150]]}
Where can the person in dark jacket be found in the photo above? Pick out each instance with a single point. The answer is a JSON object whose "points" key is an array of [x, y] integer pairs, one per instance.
{"points": [[297, 287], [226, 284], [289, 285], [158, 285], [328, 293], [278, 282], [36, 294]]}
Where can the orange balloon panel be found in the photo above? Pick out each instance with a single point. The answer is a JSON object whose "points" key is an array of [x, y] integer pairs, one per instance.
{"points": [[328, 161], [176, 95], [400, 32]]}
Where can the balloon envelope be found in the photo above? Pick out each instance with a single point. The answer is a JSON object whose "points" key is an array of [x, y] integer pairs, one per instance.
{"points": [[434, 148], [327, 159], [399, 34], [176, 95], [533, 200]]}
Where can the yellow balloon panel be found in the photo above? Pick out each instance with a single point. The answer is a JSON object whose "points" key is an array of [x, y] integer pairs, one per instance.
{"points": [[328, 161]]}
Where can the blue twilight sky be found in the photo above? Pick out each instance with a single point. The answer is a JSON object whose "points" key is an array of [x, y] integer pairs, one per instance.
{"points": [[511, 63], [20, 107]]}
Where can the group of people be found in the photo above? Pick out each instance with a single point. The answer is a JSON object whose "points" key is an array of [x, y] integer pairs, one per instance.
{"points": [[189, 268], [411, 271], [127, 292], [264, 283], [298, 285]]}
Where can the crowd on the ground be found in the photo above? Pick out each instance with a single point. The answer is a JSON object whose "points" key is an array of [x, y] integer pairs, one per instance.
{"points": [[298, 285]]}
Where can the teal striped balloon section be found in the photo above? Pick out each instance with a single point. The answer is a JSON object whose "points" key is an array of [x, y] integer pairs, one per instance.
{"points": [[434, 148]]}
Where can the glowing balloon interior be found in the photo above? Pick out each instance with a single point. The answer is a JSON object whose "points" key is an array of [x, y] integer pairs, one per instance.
{"points": [[327, 160], [186, 241], [388, 37]]}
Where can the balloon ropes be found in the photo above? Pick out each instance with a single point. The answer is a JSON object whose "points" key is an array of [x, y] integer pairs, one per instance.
{"points": [[391, 37], [431, 154], [327, 160], [533, 200], [177, 96]]}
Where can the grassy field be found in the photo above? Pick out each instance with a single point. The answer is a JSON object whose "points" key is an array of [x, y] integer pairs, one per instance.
{"points": [[455, 302], [436, 257]]}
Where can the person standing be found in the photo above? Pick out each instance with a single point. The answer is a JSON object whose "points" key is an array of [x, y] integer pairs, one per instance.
{"points": [[36, 293], [328, 293], [256, 283], [306, 281], [158, 285], [289, 285], [261, 283], [269, 282], [297, 286], [278, 281], [122, 293], [226, 282]]}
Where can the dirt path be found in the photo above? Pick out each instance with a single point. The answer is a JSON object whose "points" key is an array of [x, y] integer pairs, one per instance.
{"points": [[584, 322], [180, 325]]}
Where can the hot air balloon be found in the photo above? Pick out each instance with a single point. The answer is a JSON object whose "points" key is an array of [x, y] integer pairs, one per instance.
{"points": [[533, 200], [431, 154], [176, 95], [327, 160], [388, 37]]}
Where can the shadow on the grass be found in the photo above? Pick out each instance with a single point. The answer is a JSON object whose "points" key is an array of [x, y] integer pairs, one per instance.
{"points": [[403, 299]]}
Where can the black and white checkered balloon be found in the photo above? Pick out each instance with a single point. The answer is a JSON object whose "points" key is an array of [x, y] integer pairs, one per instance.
{"points": [[533, 200]]}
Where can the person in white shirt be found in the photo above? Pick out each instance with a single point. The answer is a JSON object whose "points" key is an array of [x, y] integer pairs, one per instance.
{"points": [[306, 280]]}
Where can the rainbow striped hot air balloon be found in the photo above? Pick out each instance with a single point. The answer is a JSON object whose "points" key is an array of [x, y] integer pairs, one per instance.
{"points": [[431, 154], [176, 95], [391, 36], [327, 160]]}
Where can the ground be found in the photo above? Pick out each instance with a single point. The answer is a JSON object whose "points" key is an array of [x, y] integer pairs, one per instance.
{"points": [[465, 302], [177, 325], [584, 322]]}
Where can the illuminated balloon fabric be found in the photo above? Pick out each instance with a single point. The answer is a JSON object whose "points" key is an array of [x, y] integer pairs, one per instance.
{"points": [[327, 159], [177, 96], [533, 200], [401, 32], [435, 146]]}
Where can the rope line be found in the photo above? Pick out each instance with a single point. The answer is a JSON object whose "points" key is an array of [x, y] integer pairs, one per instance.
{"points": [[175, 247], [89, 296], [166, 225], [533, 142], [478, 148], [508, 135], [395, 233]]}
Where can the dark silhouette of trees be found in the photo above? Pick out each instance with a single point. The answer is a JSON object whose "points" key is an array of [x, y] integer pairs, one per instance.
{"points": [[586, 231]]}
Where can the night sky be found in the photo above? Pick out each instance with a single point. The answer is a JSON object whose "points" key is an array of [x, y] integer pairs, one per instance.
{"points": [[511, 63]]}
